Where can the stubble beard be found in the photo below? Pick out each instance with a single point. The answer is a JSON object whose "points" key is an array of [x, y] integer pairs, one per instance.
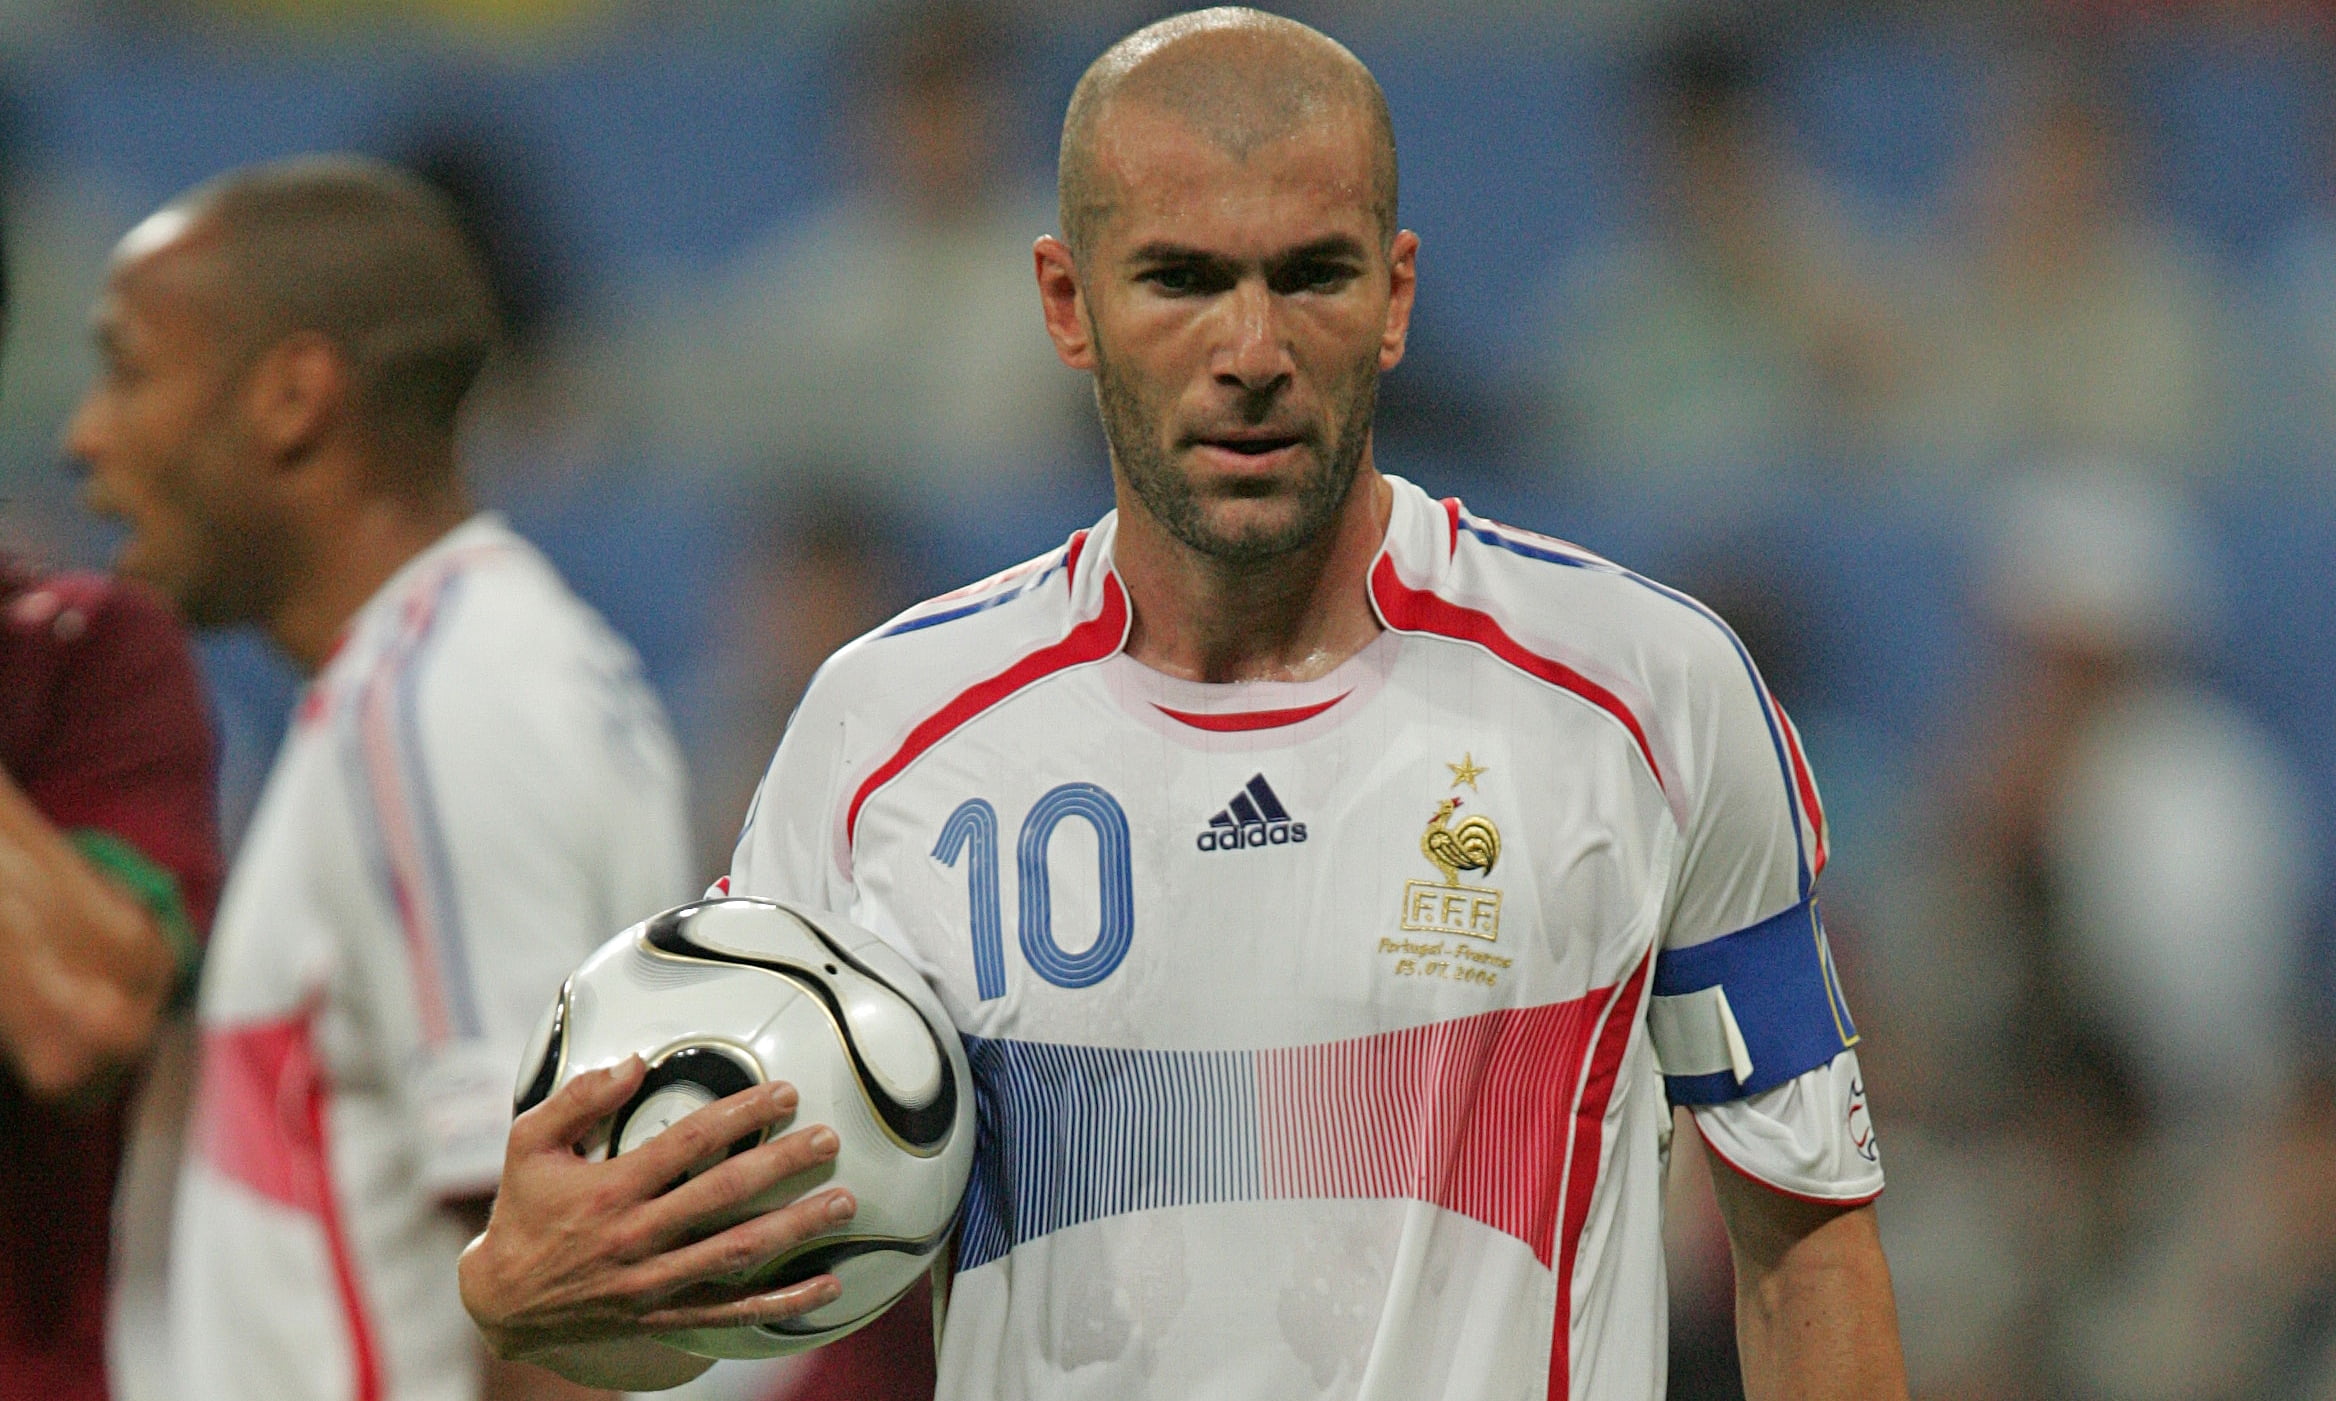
{"points": [[1133, 431], [238, 556]]}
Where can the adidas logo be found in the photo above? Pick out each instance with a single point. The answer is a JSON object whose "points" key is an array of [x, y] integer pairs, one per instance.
{"points": [[1254, 818]]}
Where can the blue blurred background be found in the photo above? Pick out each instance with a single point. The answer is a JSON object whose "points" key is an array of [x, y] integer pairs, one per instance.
{"points": [[1978, 361]]}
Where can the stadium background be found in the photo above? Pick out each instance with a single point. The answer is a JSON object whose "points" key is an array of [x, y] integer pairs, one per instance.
{"points": [[1978, 361]]}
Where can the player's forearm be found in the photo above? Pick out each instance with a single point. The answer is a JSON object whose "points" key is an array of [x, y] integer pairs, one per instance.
{"points": [[524, 1381], [84, 968], [627, 1364], [1815, 1318]]}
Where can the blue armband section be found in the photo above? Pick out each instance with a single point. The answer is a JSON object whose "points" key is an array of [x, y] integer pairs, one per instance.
{"points": [[1748, 1011]]}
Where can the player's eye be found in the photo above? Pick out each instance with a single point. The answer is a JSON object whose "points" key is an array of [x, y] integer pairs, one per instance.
{"points": [[1174, 279], [1315, 275]]}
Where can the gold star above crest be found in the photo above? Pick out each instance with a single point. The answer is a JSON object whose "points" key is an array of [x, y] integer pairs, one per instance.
{"points": [[1467, 771]]}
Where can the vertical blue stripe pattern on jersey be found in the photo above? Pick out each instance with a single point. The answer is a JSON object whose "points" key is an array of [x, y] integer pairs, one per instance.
{"points": [[1792, 797], [1077, 1133]]}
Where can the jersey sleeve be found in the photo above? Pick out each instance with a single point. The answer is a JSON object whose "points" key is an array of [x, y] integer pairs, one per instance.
{"points": [[1746, 1014], [528, 808]]}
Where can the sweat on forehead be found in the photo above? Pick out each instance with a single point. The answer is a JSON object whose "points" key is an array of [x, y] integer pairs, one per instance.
{"points": [[1240, 78]]}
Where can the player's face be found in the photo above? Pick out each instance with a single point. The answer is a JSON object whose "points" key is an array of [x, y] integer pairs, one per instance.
{"points": [[163, 435], [1236, 313]]}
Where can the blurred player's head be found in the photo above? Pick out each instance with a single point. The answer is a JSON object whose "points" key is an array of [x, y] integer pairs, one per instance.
{"points": [[277, 344], [1231, 273]]}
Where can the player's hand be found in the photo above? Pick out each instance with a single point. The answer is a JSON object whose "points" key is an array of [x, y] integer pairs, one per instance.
{"points": [[586, 1252]]}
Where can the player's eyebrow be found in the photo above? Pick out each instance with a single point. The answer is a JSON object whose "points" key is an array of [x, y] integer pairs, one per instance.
{"points": [[1168, 251]]}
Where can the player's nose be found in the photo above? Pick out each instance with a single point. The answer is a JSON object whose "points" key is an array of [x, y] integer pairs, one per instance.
{"points": [[1256, 355]]}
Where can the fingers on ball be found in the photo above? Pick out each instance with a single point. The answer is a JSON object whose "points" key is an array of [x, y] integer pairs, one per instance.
{"points": [[706, 1133], [778, 1307], [571, 1111], [752, 1242], [737, 1180]]}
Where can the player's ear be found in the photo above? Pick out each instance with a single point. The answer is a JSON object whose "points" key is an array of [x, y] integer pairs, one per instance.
{"points": [[293, 392], [1063, 303], [1402, 283]]}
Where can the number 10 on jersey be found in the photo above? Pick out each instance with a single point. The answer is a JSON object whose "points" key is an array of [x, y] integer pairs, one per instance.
{"points": [[973, 829]]}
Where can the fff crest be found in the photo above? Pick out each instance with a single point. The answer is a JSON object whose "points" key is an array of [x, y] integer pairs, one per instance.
{"points": [[1473, 844]]}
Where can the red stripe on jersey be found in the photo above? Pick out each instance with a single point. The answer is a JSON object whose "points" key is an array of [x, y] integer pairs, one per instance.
{"points": [[1460, 1113], [1451, 525], [1240, 720], [362, 1358], [1806, 785], [1586, 1150], [1407, 609], [1090, 641], [260, 1122], [1071, 553]]}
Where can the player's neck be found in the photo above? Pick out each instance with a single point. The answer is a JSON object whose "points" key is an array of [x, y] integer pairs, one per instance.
{"points": [[1293, 618], [352, 550]]}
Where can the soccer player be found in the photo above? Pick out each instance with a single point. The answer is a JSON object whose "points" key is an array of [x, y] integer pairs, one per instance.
{"points": [[1336, 889], [477, 787]]}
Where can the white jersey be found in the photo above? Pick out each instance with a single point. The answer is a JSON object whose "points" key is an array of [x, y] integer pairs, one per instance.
{"points": [[1313, 1022], [477, 789]]}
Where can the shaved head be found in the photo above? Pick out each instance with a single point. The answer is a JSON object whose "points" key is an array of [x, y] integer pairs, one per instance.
{"points": [[1241, 78], [354, 250]]}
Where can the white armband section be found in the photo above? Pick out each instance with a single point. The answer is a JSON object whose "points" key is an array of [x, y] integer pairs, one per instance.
{"points": [[1811, 1137], [1696, 1033]]}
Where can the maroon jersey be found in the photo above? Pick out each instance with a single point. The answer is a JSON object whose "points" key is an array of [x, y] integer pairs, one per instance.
{"points": [[102, 724]]}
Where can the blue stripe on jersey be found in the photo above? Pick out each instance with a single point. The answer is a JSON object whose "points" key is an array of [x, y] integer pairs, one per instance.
{"points": [[438, 866], [951, 615], [400, 664], [1792, 797], [1078, 1133], [1780, 984], [1519, 547]]}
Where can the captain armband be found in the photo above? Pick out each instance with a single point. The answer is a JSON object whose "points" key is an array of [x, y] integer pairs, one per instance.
{"points": [[1748, 1011]]}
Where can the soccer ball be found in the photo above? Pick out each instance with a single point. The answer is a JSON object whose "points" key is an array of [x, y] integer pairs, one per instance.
{"points": [[723, 994]]}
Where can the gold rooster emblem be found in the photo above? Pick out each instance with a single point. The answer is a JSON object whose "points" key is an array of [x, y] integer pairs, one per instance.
{"points": [[1474, 845]]}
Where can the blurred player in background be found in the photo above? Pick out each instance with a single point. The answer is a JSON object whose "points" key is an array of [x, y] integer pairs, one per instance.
{"points": [[477, 787], [1430, 864], [109, 866]]}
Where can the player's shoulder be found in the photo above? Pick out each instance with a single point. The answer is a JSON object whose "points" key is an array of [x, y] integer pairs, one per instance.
{"points": [[487, 598], [482, 625], [1017, 618], [1466, 573]]}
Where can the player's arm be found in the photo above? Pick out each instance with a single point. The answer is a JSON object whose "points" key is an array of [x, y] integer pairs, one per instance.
{"points": [[102, 899], [84, 966], [1754, 1035], [1815, 1318]]}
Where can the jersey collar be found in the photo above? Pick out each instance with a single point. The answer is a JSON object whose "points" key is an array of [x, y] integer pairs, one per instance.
{"points": [[1422, 534]]}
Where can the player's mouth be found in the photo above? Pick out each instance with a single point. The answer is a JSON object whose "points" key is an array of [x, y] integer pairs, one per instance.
{"points": [[1248, 452]]}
